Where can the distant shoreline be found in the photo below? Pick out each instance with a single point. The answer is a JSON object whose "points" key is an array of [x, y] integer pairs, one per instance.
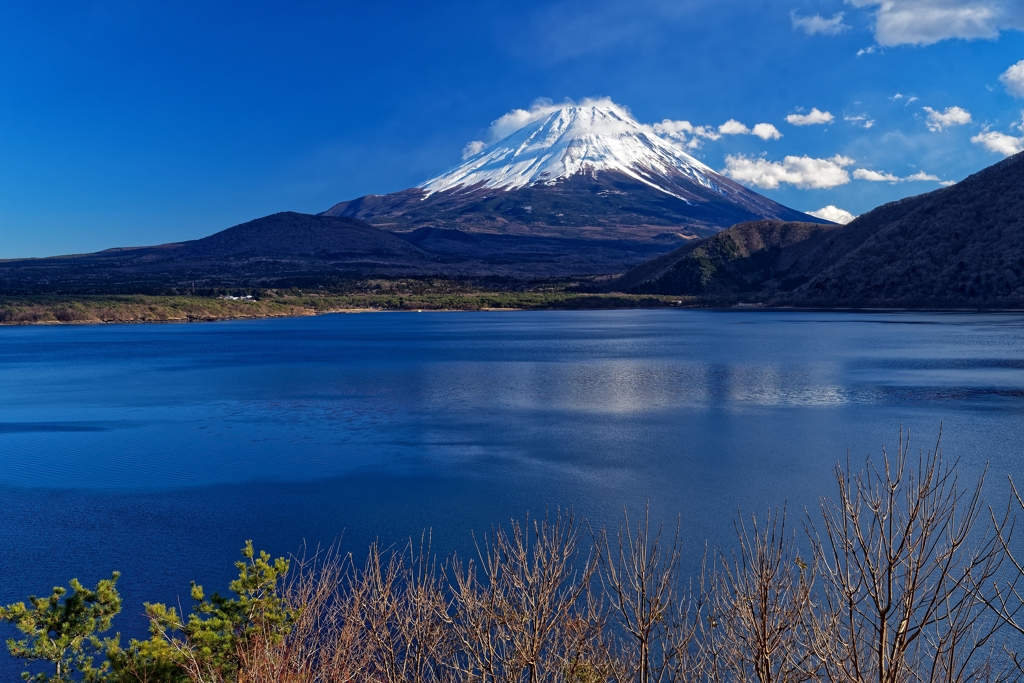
{"points": [[54, 309]]}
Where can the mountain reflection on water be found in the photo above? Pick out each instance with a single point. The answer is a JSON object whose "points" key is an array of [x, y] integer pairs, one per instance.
{"points": [[158, 450]]}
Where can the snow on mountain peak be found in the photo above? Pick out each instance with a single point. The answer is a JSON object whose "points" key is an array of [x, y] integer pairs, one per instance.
{"points": [[553, 142]]}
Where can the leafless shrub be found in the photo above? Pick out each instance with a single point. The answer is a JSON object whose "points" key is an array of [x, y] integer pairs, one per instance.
{"points": [[897, 589], [640, 579], [763, 625], [404, 609], [907, 574], [521, 610]]}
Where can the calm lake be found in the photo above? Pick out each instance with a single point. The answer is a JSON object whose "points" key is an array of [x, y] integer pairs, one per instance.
{"points": [[157, 450]]}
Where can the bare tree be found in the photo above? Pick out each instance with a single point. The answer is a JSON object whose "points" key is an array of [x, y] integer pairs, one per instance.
{"points": [[1008, 601], [907, 573], [326, 642], [763, 623], [404, 609], [640, 576], [516, 614]]}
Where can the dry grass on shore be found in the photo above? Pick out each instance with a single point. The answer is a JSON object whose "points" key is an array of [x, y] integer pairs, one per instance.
{"points": [[137, 308]]}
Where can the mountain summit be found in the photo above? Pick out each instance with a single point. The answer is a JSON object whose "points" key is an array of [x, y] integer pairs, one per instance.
{"points": [[574, 140], [587, 171]]}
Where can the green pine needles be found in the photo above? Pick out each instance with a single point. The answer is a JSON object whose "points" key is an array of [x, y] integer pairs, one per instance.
{"points": [[61, 630], [211, 644]]}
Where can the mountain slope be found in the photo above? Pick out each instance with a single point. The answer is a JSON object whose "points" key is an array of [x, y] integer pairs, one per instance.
{"points": [[756, 257], [290, 234], [292, 249], [958, 247], [278, 250], [581, 171], [961, 246]]}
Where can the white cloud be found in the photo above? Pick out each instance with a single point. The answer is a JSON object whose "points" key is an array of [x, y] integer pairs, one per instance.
{"points": [[952, 116], [814, 118], [517, 118], [691, 135], [819, 24], [677, 130], [883, 177], [1000, 143], [1013, 79], [923, 22], [900, 96], [766, 131], [833, 213], [875, 176], [804, 172], [861, 120], [685, 132], [473, 148], [543, 107], [870, 50], [706, 132], [733, 127]]}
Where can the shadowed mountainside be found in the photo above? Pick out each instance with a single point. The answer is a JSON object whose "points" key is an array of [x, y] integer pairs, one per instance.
{"points": [[605, 205], [300, 250], [961, 246], [755, 257], [958, 247]]}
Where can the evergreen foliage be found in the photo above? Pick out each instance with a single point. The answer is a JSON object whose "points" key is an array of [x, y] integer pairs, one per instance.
{"points": [[62, 629]]}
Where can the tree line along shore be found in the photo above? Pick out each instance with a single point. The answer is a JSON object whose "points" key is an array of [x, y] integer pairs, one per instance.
{"points": [[236, 304], [903, 574]]}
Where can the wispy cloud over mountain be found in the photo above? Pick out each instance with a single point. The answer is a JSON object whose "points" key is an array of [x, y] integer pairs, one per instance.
{"points": [[1000, 143], [883, 177], [803, 172]]}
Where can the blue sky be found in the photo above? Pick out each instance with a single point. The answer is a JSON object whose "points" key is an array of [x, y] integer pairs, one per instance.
{"points": [[126, 123]]}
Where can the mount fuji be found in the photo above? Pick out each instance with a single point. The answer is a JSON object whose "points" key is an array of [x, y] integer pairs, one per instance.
{"points": [[587, 171], [576, 191]]}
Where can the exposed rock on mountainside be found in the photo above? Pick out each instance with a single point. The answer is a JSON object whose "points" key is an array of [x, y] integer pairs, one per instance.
{"points": [[958, 247], [587, 172]]}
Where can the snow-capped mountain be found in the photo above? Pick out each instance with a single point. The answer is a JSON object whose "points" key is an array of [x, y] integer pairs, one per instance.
{"points": [[586, 171], [571, 140]]}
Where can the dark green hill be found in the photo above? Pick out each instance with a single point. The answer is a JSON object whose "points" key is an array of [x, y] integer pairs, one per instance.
{"points": [[292, 249], [958, 247], [279, 250], [290, 234], [755, 257]]}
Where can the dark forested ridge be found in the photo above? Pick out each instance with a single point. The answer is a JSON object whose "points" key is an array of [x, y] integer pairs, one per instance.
{"points": [[756, 257], [958, 247], [299, 250]]}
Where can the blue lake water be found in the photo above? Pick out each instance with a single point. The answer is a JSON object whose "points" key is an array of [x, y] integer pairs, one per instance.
{"points": [[158, 450]]}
